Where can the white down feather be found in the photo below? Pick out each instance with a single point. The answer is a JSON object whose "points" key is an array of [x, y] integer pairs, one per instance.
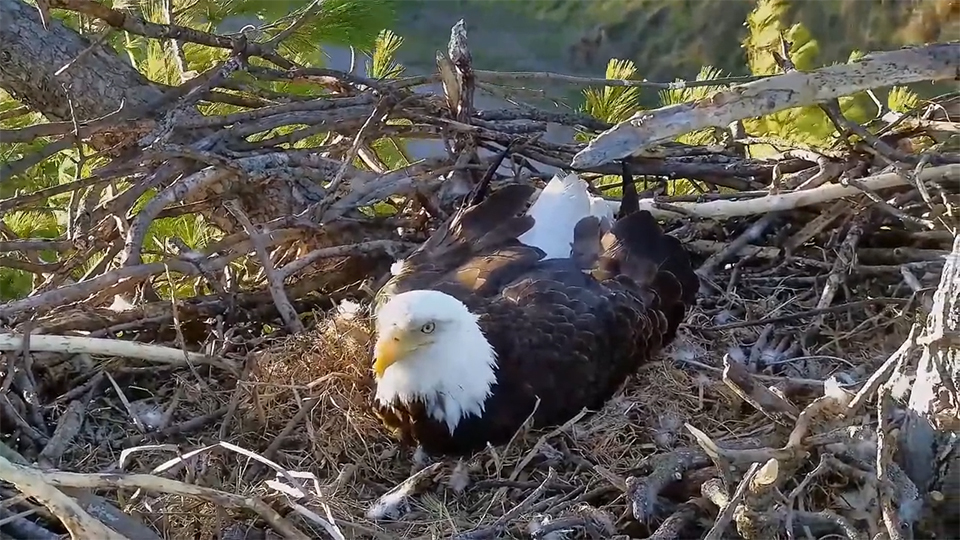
{"points": [[562, 203]]}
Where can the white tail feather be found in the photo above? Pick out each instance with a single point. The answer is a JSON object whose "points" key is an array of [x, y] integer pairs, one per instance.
{"points": [[562, 203]]}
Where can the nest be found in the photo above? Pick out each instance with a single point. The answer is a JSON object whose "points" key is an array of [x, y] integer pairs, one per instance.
{"points": [[791, 403]]}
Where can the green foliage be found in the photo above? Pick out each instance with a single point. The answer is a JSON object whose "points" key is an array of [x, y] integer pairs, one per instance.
{"points": [[39, 223], [383, 63], [614, 104], [671, 37], [901, 99], [803, 125], [38, 176], [765, 26]]}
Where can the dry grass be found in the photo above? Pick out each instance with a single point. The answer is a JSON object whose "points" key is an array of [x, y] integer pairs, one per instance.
{"points": [[325, 374]]}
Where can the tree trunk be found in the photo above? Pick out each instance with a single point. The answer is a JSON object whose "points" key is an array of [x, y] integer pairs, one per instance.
{"points": [[98, 83]]}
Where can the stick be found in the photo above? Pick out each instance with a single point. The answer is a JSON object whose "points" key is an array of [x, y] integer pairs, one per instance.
{"points": [[388, 503], [67, 428], [890, 513], [305, 408], [809, 313], [672, 527], [390, 246], [494, 76], [741, 381], [110, 347], [882, 373], [667, 469], [726, 515]]}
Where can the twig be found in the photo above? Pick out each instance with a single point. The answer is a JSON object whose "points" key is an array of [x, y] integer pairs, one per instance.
{"points": [[388, 503], [859, 304], [248, 368], [378, 115], [726, 515], [503, 521], [152, 483], [741, 381], [846, 258], [274, 278], [136, 25], [178, 328], [816, 226], [772, 378], [751, 235], [35, 244], [9, 411], [305, 409], [185, 427], [126, 405]]}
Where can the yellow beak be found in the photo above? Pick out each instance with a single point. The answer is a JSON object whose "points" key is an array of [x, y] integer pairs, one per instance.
{"points": [[388, 350]]}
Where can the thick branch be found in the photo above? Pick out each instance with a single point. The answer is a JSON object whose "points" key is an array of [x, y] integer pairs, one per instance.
{"points": [[721, 209], [797, 89], [99, 82]]}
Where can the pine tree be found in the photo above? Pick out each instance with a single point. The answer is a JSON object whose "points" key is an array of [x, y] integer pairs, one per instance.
{"points": [[358, 24]]}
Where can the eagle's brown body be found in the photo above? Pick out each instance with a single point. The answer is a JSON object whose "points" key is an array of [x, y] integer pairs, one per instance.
{"points": [[561, 335]]}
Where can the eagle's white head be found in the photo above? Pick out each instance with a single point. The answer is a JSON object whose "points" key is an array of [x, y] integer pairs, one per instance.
{"points": [[429, 346]]}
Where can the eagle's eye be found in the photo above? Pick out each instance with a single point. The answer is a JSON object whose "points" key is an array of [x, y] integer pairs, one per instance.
{"points": [[428, 328]]}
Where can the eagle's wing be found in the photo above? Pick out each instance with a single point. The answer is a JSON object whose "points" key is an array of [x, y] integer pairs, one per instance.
{"points": [[475, 252]]}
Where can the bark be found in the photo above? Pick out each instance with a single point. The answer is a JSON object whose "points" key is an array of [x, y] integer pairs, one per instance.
{"points": [[98, 83], [932, 414]]}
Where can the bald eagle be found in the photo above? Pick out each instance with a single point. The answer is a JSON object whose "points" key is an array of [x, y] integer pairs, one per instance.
{"points": [[506, 305]]}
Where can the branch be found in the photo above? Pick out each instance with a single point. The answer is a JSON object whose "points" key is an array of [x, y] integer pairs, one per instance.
{"points": [[111, 347], [77, 521], [722, 209], [797, 89], [934, 396], [274, 278], [100, 82], [493, 76], [136, 25]]}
